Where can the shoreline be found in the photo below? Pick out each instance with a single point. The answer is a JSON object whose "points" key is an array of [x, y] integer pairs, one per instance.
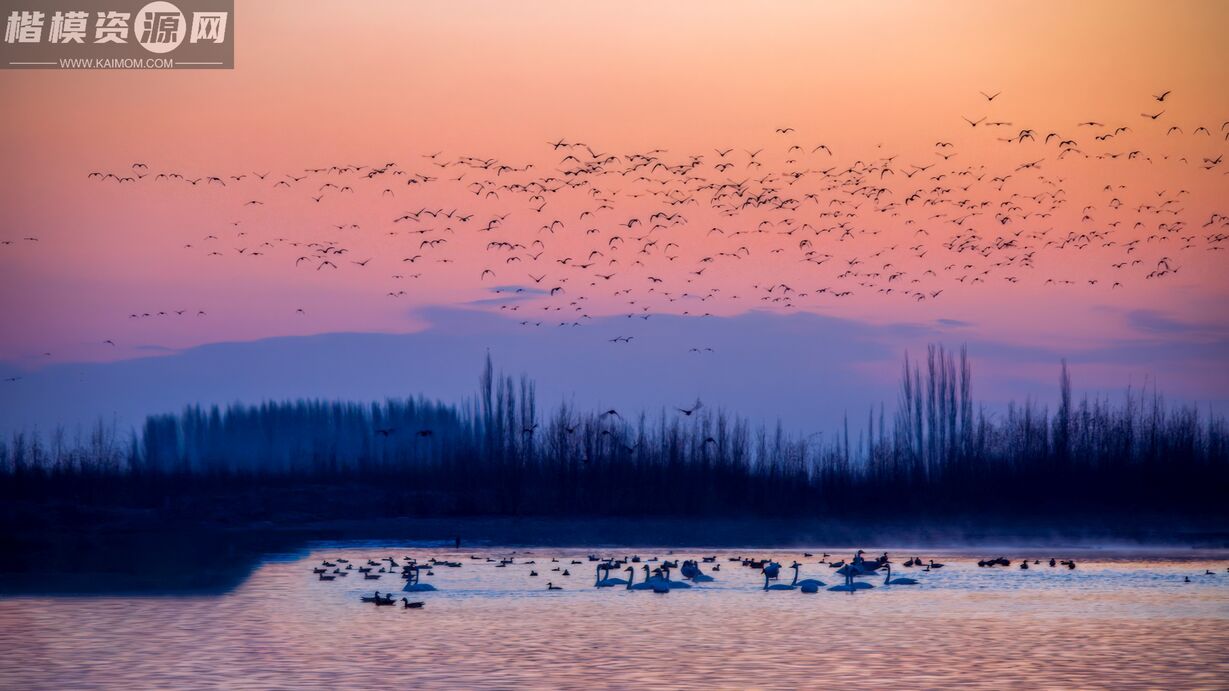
{"points": [[149, 558]]}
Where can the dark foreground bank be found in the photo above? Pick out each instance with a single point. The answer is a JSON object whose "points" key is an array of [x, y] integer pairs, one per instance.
{"points": [[68, 549]]}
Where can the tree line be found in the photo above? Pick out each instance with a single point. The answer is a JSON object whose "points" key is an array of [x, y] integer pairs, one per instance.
{"points": [[498, 454]]}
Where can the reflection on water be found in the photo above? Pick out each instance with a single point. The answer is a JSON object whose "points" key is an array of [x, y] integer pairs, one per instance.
{"points": [[1111, 623]]}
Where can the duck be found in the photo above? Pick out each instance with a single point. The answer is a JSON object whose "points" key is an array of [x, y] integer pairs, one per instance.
{"points": [[406, 604]]}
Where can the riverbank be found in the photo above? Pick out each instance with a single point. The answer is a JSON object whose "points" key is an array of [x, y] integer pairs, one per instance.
{"points": [[65, 550]]}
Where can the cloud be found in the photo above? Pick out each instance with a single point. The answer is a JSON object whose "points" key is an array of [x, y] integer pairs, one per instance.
{"points": [[509, 293], [805, 370], [1154, 322]]}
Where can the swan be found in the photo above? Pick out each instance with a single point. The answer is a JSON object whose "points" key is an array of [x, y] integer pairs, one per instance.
{"points": [[654, 583], [849, 571], [775, 586], [851, 585], [888, 580], [406, 604], [552, 586], [631, 576], [807, 585], [414, 586], [665, 570], [846, 587], [771, 569], [691, 570], [607, 582]]}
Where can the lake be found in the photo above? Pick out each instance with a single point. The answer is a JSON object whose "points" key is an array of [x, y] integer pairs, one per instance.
{"points": [[1121, 619]]}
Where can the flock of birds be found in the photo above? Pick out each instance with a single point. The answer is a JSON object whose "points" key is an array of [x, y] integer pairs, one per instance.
{"points": [[657, 573], [585, 232]]}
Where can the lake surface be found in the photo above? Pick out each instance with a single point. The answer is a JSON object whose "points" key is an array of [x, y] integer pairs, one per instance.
{"points": [[1119, 620]]}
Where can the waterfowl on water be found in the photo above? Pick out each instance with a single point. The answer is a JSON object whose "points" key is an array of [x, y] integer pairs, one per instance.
{"points": [[888, 580], [552, 586], [406, 604], [847, 587], [607, 582], [691, 571], [807, 585], [377, 599], [775, 586]]}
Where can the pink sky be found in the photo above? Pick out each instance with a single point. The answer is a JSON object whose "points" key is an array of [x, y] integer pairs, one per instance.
{"points": [[338, 83]]}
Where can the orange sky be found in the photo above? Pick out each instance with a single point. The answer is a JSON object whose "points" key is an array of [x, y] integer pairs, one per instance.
{"points": [[327, 83]]}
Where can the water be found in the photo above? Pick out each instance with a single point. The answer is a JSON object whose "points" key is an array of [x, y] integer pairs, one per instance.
{"points": [[1117, 621]]}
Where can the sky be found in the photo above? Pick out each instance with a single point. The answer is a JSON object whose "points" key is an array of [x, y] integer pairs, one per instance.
{"points": [[873, 217]]}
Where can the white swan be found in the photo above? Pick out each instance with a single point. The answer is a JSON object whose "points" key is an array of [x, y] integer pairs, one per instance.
{"points": [[851, 571], [846, 587], [414, 586], [673, 585], [654, 583], [631, 576], [691, 570], [771, 569], [775, 586], [888, 580], [607, 582], [806, 585]]}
